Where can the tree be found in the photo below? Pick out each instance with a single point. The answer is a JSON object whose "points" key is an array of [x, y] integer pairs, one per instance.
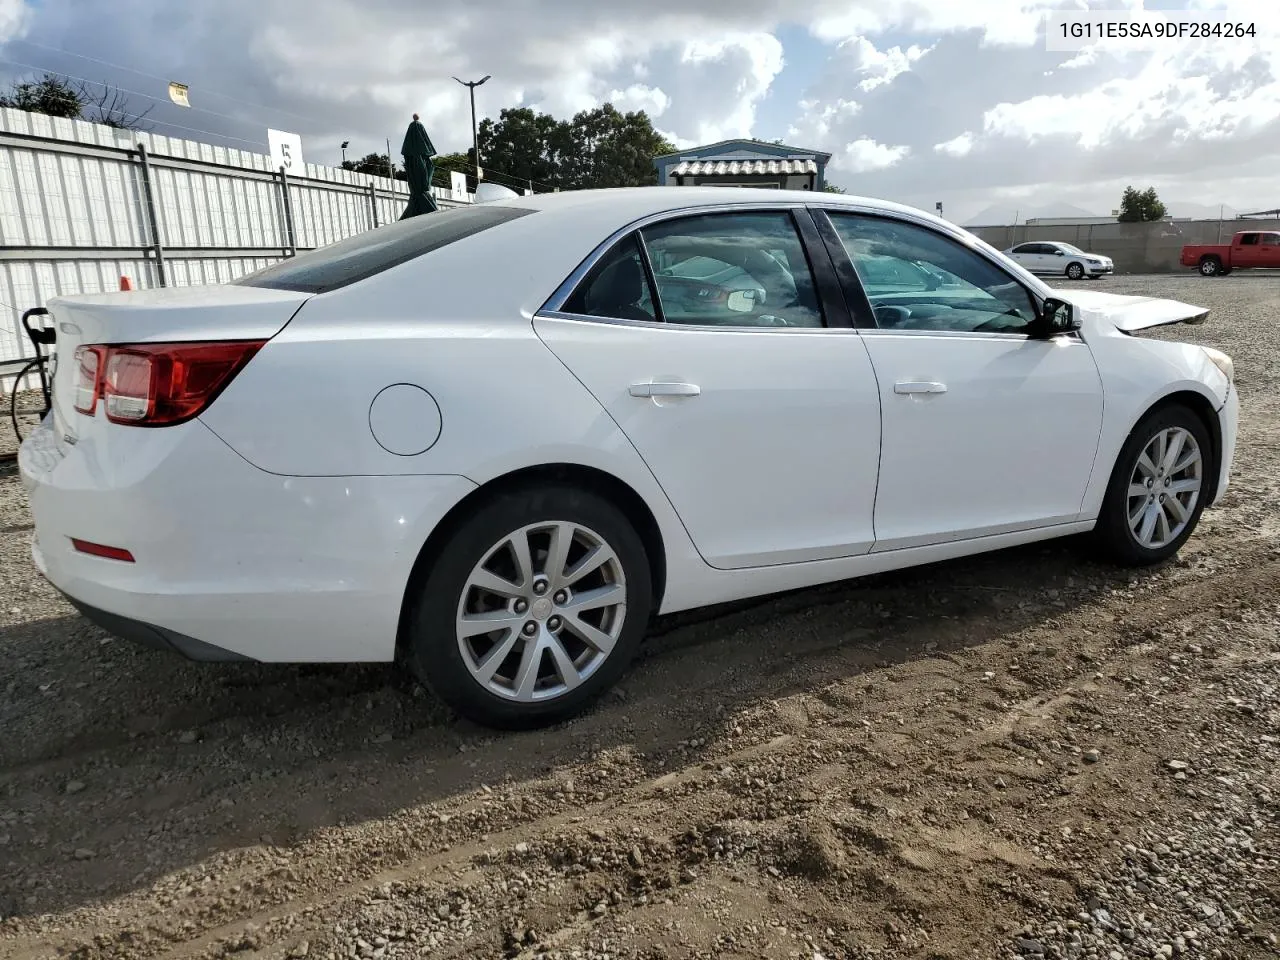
{"points": [[597, 148], [832, 188], [57, 96], [374, 164], [1141, 206]]}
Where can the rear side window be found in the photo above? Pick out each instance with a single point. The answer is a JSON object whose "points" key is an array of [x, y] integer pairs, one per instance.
{"points": [[359, 257]]}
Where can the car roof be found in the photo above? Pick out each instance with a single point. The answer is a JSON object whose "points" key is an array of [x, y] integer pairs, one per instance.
{"points": [[632, 203]]}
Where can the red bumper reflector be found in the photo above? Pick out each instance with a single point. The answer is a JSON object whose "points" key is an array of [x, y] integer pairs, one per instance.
{"points": [[98, 550]]}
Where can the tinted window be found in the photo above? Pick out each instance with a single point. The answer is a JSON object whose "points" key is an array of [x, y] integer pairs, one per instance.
{"points": [[373, 251], [956, 290], [1249, 240], [1271, 239], [616, 286], [734, 270]]}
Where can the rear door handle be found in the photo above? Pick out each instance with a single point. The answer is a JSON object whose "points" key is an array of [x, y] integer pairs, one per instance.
{"points": [[919, 386], [677, 389]]}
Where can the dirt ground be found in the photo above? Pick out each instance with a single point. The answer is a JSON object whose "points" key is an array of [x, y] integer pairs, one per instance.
{"points": [[1023, 754]]}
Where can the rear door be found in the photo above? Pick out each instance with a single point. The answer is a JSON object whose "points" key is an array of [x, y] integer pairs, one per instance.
{"points": [[741, 383], [1028, 255], [1269, 250]]}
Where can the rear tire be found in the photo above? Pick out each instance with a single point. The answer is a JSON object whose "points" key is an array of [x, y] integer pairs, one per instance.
{"points": [[1210, 267], [1140, 527], [565, 630]]}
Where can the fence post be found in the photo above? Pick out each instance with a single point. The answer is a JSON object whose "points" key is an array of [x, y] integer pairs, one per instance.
{"points": [[292, 248], [373, 203], [152, 216]]}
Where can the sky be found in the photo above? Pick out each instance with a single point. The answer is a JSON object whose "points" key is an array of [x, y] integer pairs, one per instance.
{"points": [[919, 101]]}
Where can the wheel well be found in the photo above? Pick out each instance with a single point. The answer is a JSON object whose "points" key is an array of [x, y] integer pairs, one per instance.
{"points": [[588, 478], [1210, 256], [1201, 407]]}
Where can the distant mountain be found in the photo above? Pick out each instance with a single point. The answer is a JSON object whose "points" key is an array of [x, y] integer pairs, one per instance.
{"points": [[999, 214], [1203, 211]]}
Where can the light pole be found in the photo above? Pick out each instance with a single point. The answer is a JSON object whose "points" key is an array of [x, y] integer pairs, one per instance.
{"points": [[345, 144], [475, 133]]}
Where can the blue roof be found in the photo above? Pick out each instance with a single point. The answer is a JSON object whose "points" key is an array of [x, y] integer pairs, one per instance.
{"points": [[766, 149]]}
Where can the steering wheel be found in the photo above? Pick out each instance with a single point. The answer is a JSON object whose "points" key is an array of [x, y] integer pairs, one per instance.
{"points": [[773, 320], [891, 315], [995, 326]]}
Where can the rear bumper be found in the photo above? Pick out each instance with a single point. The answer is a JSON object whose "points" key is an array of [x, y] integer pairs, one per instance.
{"points": [[231, 562], [157, 638]]}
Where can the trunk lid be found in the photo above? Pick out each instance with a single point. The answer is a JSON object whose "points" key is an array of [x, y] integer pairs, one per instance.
{"points": [[1130, 313], [171, 315]]}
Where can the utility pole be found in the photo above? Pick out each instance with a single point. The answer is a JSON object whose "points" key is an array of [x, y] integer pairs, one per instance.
{"points": [[391, 167], [475, 131]]}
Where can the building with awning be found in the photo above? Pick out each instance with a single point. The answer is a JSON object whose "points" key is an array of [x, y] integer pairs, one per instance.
{"points": [[744, 163]]}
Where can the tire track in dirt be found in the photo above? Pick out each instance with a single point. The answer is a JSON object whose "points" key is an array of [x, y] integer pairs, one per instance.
{"points": [[1255, 575]]}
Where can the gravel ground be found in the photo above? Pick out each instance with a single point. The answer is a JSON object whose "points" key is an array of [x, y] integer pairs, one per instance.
{"points": [[1026, 754]]}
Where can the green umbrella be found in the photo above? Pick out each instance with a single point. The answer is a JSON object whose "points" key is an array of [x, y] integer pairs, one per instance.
{"points": [[417, 152]]}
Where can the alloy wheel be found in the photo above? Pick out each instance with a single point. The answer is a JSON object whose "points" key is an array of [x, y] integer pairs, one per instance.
{"points": [[1164, 487], [542, 611]]}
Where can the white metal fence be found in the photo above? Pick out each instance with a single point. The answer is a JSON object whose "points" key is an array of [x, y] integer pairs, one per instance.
{"points": [[82, 205]]}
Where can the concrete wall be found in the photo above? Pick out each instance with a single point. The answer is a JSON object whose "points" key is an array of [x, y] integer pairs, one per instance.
{"points": [[1135, 247]]}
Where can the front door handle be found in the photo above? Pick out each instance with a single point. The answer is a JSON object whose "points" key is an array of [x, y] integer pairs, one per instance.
{"points": [[677, 389], [919, 386]]}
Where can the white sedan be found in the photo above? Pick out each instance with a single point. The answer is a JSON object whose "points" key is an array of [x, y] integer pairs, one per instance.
{"points": [[491, 442], [1060, 259]]}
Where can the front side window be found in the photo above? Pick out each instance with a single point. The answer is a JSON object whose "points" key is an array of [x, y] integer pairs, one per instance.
{"points": [[918, 279], [1271, 239], [744, 269]]}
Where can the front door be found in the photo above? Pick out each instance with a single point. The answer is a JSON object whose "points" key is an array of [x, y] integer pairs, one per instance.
{"points": [[761, 423], [986, 430]]}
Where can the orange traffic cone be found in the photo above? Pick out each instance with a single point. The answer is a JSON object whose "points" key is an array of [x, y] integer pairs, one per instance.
{"points": [[125, 283]]}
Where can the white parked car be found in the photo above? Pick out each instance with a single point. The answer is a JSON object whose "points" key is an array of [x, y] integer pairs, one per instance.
{"points": [[1060, 259], [493, 441]]}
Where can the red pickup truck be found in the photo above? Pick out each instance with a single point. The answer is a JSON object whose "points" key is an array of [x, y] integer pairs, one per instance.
{"points": [[1248, 248]]}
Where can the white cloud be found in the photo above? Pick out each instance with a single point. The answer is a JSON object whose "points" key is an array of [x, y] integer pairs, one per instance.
{"points": [[957, 97], [746, 64], [865, 154], [879, 67], [639, 97], [956, 146]]}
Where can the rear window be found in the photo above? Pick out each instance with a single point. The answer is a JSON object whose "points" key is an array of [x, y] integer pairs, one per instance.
{"points": [[359, 257]]}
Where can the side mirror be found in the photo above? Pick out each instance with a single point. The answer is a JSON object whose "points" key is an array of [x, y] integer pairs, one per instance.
{"points": [[1058, 253], [743, 301], [1057, 316]]}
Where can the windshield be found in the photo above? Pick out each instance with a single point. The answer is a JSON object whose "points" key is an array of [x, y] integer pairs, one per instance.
{"points": [[1069, 248]]}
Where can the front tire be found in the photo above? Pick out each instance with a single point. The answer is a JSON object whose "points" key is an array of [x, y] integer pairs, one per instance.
{"points": [[1075, 271], [1158, 488], [534, 608]]}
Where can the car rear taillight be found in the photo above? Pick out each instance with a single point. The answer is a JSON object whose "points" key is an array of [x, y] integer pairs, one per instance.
{"points": [[157, 384], [88, 368]]}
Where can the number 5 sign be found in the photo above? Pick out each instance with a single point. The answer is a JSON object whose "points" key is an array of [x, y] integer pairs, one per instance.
{"points": [[286, 151]]}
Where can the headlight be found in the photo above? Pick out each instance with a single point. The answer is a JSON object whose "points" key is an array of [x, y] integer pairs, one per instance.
{"points": [[1093, 260], [1222, 362]]}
